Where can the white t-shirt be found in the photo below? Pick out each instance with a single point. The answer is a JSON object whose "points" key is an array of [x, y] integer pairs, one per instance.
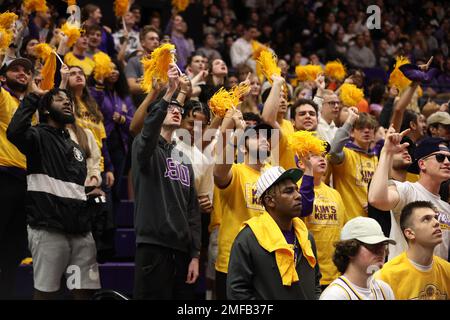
{"points": [[240, 50], [397, 235], [344, 289], [410, 192], [326, 131], [202, 166]]}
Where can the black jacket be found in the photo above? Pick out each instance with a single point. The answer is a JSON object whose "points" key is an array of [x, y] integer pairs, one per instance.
{"points": [[166, 210], [56, 171], [253, 273]]}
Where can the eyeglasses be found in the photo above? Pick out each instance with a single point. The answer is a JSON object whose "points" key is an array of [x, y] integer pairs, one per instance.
{"points": [[174, 107], [440, 157]]}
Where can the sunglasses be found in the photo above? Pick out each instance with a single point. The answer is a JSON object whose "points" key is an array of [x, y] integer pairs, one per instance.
{"points": [[440, 157]]}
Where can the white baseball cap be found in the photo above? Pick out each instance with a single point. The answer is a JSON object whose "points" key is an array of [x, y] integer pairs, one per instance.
{"points": [[273, 175], [366, 230]]}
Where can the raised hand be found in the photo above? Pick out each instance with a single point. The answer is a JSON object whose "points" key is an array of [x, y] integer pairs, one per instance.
{"points": [[424, 67], [392, 142], [353, 115], [185, 84], [277, 79], [174, 78]]}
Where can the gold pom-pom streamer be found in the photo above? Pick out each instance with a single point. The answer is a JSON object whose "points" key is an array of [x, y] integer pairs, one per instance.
{"points": [[308, 72], [268, 62], [35, 5], [121, 7], [7, 19], [103, 66], [305, 142], [6, 37], [45, 52], [180, 5], [397, 78], [336, 70], [157, 66], [350, 94], [72, 32], [258, 47], [221, 102], [71, 2], [239, 91]]}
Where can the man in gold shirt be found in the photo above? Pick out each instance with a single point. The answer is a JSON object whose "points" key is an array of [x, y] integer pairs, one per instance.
{"points": [[16, 77], [236, 183], [237, 186], [418, 273], [352, 162]]}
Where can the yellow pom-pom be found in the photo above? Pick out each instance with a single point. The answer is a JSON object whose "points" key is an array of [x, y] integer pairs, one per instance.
{"points": [[350, 94], [27, 261], [336, 70], [258, 47], [45, 52], [103, 65], [157, 66], [268, 62], [305, 142], [7, 19], [221, 102], [397, 78], [6, 37], [180, 5], [35, 5], [120, 7], [308, 72], [239, 91], [72, 32], [71, 2]]}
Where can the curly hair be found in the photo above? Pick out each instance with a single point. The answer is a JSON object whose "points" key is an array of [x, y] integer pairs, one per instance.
{"points": [[343, 252]]}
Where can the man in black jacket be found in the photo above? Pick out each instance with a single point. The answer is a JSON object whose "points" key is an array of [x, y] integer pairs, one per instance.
{"points": [[167, 217], [274, 255], [59, 226]]}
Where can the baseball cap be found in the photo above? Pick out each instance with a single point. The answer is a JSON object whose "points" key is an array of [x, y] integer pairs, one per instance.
{"points": [[426, 147], [273, 175], [24, 62], [441, 117], [366, 230]]}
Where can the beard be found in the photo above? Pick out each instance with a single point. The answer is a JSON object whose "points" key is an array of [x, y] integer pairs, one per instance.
{"points": [[16, 86], [60, 117]]}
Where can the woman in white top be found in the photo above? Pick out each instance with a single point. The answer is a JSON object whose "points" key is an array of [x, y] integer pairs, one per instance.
{"points": [[361, 251]]}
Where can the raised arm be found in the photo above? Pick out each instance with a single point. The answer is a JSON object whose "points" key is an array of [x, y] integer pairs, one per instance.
{"points": [[402, 103], [337, 154], [138, 119], [307, 188], [20, 132], [146, 142], [222, 168], [380, 196], [270, 110]]}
